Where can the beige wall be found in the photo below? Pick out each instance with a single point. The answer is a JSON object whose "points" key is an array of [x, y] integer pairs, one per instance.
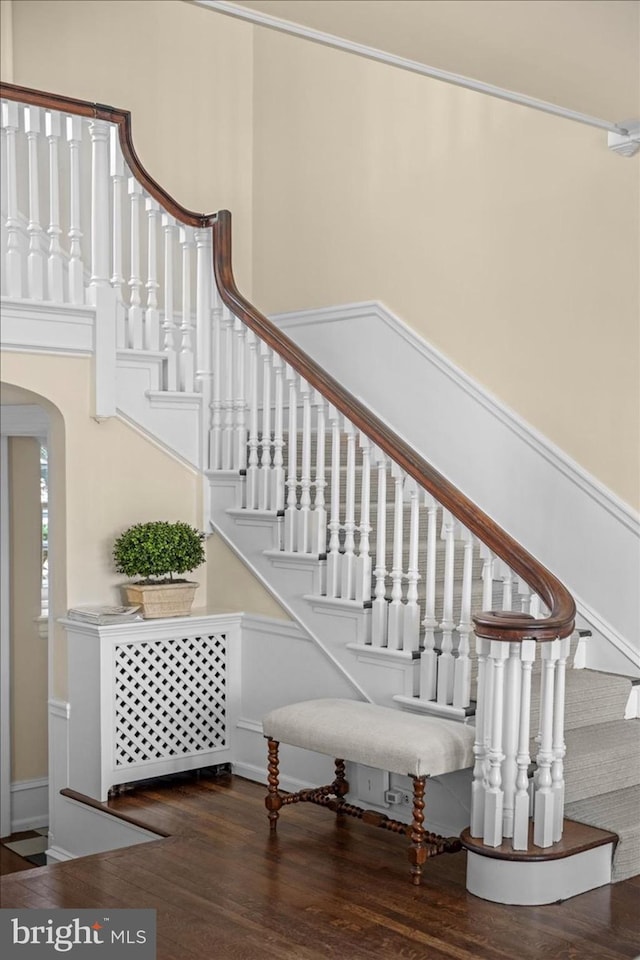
{"points": [[507, 238], [555, 50], [28, 649], [110, 477], [185, 75]]}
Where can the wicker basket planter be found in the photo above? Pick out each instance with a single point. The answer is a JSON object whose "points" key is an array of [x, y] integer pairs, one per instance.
{"points": [[162, 599]]}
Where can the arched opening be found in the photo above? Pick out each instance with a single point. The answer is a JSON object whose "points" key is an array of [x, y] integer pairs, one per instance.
{"points": [[33, 586]]}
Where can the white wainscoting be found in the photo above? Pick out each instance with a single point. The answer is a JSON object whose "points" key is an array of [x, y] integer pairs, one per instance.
{"points": [[29, 804], [562, 514]]}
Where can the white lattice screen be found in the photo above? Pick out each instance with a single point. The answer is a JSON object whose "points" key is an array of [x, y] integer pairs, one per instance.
{"points": [[169, 699]]}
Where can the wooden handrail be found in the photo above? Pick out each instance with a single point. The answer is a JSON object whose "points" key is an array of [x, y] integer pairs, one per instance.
{"points": [[99, 111], [494, 625]]}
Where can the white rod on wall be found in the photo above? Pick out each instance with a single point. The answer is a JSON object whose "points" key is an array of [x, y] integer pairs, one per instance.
{"points": [[372, 53]]}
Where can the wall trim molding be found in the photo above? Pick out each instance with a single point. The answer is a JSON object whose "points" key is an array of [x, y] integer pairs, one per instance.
{"points": [[261, 19], [603, 496]]}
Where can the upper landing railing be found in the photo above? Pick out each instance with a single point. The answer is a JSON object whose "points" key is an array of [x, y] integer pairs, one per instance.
{"points": [[391, 533]]}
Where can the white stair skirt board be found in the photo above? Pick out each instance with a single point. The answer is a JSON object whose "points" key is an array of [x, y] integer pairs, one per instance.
{"points": [[532, 883], [448, 405]]}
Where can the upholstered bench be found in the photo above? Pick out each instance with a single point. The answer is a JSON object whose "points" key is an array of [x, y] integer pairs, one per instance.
{"points": [[391, 740]]}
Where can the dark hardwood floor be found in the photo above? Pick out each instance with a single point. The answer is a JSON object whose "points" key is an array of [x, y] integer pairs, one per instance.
{"points": [[225, 890]]}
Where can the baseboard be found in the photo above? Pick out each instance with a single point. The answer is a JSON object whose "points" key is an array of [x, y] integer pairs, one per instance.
{"points": [[473, 439], [29, 804], [258, 774], [58, 855]]}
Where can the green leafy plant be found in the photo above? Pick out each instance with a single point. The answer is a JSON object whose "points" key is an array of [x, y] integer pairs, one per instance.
{"points": [[158, 549]]}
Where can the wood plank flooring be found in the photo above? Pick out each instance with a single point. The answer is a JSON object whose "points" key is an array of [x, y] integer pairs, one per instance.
{"points": [[225, 890]]}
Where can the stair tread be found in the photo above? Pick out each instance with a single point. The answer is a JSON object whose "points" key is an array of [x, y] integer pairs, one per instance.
{"points": [[617, 811], [602, 757]]}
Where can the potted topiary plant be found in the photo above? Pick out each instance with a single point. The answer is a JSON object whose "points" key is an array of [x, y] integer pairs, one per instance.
{"points": [[157, 552]]}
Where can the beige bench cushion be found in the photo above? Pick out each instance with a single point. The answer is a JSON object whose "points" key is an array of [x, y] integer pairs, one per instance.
{"points": [[377, 736]]}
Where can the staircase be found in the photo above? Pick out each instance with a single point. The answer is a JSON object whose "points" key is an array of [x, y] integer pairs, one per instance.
{"points": [[417, 598]]}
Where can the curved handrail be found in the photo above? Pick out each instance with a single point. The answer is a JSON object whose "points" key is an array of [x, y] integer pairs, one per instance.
{"points": [[100, 111], [494, 625]]}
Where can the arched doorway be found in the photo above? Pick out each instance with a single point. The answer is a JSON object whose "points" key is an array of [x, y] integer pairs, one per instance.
{"points": [[29, 537]]}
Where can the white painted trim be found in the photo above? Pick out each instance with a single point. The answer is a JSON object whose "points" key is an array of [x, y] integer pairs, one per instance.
{"points": [[24, 420], [50, 328], [580, 500], [285, 606], [253, 726], [601, 626], [251, 771], [538, 882], [414, 66], [58, 855], [153, 439], [274, 626], [632, 708], [29, 804], [5, 644], [557, 457]]}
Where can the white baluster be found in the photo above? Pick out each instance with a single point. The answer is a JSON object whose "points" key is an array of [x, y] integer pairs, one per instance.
{"points": [[116, 167], [507, 586], [169, 331], [251, 501], [559, 746], [227, 395], [35, 264], [76, 266], [203, 314], [303, 535], [488, 562], [379, 619], [54, 263], [512, 677], [186, 357], [520, 839], [204, 359], [534, 607], [480, 746], [290, 523], [462, 668], [265, 438], [240, 401], [277, 472], [135, 338], [429, 657], [445, 660], [543, 818], [318, 542], [151, 314], [498, 653], [411, 624], [10, 124], [333, 556], [363, 563], [394, 634], [347, 579]]}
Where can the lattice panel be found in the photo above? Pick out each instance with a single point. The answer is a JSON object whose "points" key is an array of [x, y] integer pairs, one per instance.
{"points": [[170, 699]]}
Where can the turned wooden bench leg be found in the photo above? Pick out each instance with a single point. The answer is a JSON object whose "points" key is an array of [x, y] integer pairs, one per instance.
{"points": [[340, 786], [273, 800], [417, 851]]}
